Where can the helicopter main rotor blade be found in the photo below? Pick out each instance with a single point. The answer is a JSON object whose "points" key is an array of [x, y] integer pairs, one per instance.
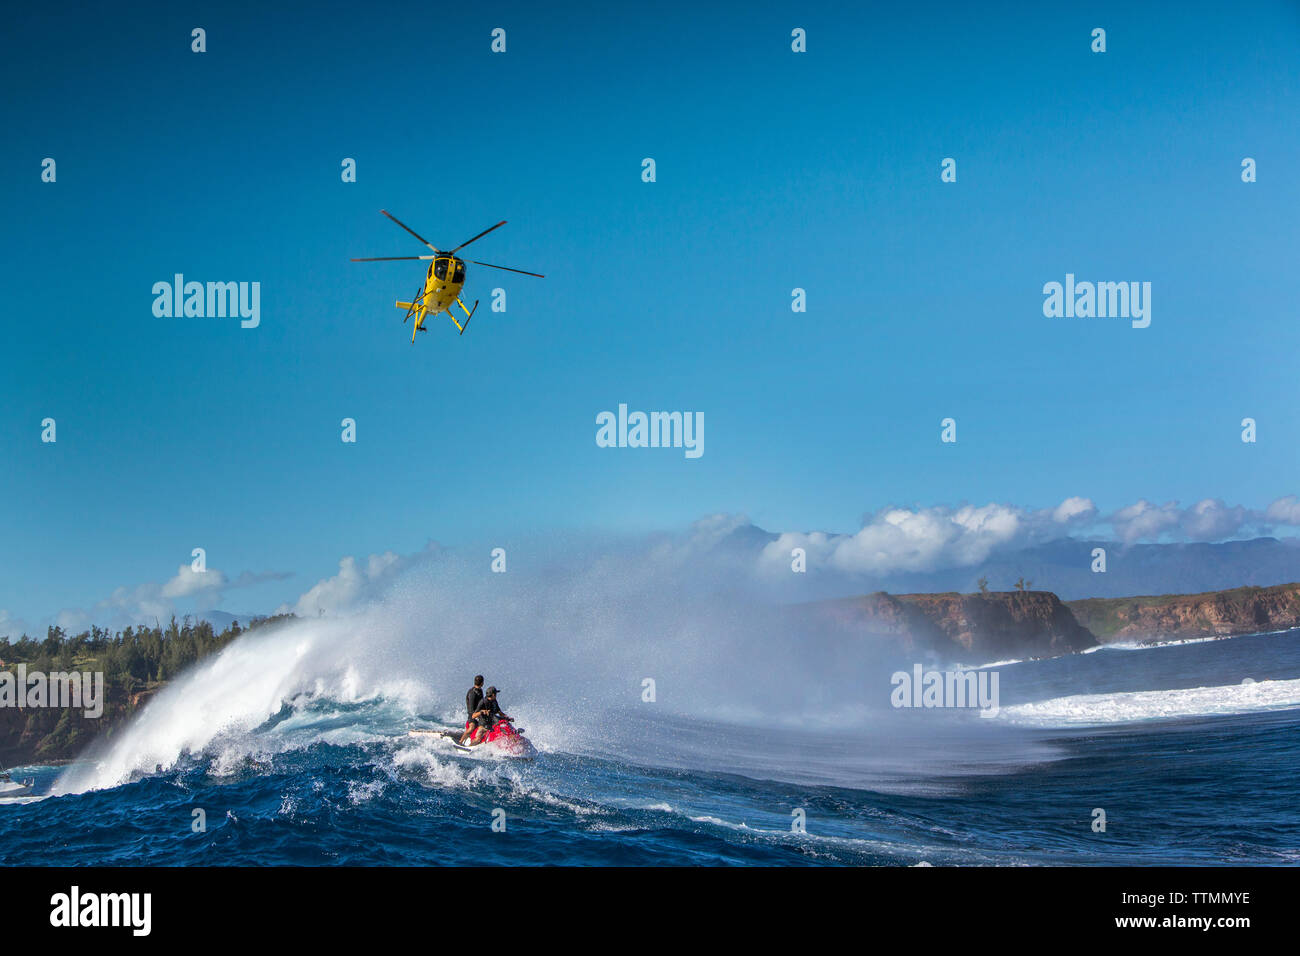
{"points": [[410, 230], [479, 236], [391, 258], [507, 268]]}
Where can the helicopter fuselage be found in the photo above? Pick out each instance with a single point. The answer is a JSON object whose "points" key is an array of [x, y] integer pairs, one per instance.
{"points": [[442, 285], [443, 282]]}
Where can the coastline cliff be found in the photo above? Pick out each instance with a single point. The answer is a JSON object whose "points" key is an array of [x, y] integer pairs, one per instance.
{"points": [[987, 626], [1169, 617]]}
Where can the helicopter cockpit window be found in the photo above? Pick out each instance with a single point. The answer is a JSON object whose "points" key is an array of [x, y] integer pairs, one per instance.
{"points": [[460, 272], [440, 268]]}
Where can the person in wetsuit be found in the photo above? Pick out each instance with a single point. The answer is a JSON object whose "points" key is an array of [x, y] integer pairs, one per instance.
{"points": [[473, 698], [488, 713]]}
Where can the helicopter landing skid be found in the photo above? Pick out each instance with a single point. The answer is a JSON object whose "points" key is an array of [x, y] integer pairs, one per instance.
{"points": [[469, 314]]}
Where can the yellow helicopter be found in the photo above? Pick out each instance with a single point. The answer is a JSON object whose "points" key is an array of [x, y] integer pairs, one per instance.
{"points": [[443, 281]]}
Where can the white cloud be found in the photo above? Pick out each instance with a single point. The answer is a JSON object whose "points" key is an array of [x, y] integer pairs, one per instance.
{"points": [[1144, 521], [189, 582], [900, 539], [336, 593], [1074, 510], [153, 602], [929, 539], [1285, 510], [1207, 520], [1211, 520], [355, 584]]}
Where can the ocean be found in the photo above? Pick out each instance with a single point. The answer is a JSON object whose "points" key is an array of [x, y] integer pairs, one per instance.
{"points": [[1188, 751]]}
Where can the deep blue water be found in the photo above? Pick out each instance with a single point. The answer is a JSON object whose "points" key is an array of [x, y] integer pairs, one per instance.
{"points": [[1191, 766]]}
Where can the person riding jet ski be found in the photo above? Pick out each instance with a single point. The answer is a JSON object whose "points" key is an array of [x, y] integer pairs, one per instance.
{"points": [[486, 716], [473, 698]]}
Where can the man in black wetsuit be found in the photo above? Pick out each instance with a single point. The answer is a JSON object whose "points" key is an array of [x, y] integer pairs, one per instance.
{"points": [[488, 713], [472, 701]]}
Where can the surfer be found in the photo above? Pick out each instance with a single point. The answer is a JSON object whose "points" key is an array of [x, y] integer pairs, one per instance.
{"points": [[486, 716], [473, 698]]}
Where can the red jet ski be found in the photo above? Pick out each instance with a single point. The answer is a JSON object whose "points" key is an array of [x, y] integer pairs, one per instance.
{"points": [[505, 740], [502, 740]]}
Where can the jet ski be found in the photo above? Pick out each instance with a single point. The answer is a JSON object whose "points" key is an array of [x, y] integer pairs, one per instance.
{"points": [[502, 740]]}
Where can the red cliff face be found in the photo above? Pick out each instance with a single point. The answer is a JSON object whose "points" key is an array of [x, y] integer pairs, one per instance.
{"points": [[983, 626], [1181, 616]]}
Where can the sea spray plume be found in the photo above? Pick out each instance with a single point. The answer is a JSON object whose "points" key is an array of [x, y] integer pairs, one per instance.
{"points": [[570, 637], [234, 692]]}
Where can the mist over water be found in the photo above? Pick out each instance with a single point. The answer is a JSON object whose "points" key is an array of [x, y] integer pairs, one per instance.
{"points": [[298, 733], [570, 644]]}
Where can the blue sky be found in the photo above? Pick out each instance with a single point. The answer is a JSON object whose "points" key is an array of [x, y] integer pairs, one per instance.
{"points": [[775, 170]]}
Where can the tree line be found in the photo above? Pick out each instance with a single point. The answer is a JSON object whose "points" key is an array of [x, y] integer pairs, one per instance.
{"points": [[133, 658]]}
